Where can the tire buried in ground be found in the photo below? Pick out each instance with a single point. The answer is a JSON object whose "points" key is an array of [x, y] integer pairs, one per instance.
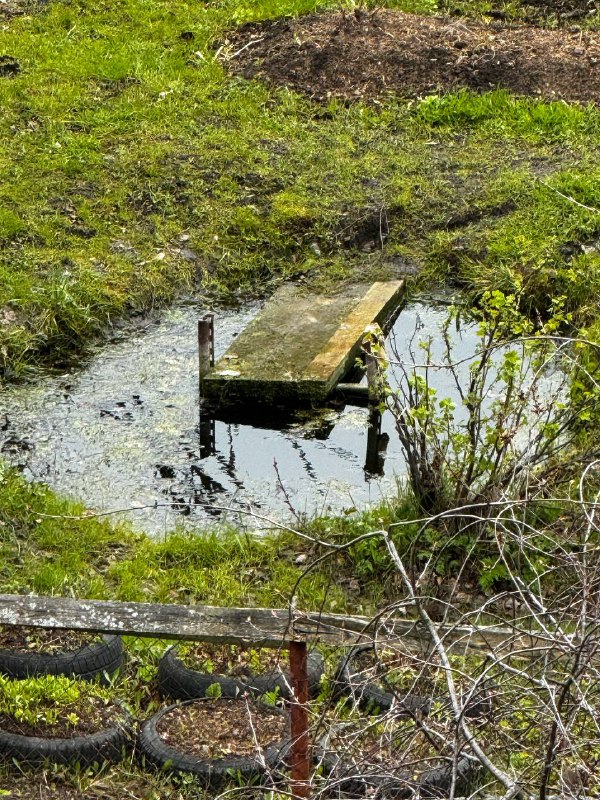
{"points": [[352, 781], [372, 697], [212, 772], [106, 746], [368, 694], [179, 682], [97, 658]]}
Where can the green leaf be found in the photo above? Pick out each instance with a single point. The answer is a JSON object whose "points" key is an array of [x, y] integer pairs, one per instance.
{"points": [[214, 691]]}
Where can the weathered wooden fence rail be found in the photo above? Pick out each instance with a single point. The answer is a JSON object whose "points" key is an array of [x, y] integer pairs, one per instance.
{"points": [[267, 627]]}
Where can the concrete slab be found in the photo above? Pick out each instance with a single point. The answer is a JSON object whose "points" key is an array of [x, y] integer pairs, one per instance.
{"points": [[300, 346]]}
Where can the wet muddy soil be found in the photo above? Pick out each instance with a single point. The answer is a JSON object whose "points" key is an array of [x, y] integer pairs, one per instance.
{"points": [[15, 8], [368, 55]]}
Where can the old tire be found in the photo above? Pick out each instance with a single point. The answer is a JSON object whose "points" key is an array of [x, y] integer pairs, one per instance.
{"points": [[347, 779], [97, 658], [369, 695], [179, 682], [211, 772], [105, 746]]}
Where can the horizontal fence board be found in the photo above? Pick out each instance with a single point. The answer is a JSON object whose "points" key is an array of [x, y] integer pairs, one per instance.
{"points": [[259, 626], [206, 623]]}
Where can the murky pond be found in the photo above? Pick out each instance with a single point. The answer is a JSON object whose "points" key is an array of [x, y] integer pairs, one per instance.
{"points": [[122, 433]]}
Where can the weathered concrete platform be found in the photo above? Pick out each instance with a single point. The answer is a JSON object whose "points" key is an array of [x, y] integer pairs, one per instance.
{"points": [[300, 346]]}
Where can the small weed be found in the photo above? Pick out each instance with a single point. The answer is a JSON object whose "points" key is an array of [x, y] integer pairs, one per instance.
{"points": [[50, 699]]}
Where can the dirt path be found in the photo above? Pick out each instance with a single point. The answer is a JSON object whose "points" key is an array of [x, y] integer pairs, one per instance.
{"points": [[367, 55]]}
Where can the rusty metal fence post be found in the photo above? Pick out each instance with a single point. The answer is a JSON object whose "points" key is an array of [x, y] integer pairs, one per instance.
{"points": [[300, 750], [206, 360], [206, 347]]}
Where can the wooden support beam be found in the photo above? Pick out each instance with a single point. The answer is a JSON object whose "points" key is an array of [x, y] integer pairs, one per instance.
{"points": [[353, 394]]}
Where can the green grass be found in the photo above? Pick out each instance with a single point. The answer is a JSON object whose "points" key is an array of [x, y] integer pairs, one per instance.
{"points": [[120, 137], [135, 169], [53, 546], [50, 546]]}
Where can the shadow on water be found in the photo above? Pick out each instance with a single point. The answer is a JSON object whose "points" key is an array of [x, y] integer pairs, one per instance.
{"points": [[123, 432]]}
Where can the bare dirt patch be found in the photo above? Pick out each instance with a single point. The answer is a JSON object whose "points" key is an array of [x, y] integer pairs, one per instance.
{"points": [[564, 11], [545, 13], [115, 784], [15, 8], [43, 640], [367, 55], [28, 787]]}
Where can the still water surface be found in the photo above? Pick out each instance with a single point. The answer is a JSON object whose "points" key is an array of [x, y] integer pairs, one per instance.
{"points": [[122, 432]]}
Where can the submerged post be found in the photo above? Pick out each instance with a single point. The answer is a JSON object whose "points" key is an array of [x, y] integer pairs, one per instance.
{"points": [[376, 440], [206, 347], [373, 461], [208, 442], [300, 749]]}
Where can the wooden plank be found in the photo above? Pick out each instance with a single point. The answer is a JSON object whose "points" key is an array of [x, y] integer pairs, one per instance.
{"points": [[298, 348], [205, 623], [339, 353], [259, 626]]}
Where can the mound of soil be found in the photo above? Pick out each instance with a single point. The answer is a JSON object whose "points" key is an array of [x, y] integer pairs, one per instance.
{"points": [[367, 55]]}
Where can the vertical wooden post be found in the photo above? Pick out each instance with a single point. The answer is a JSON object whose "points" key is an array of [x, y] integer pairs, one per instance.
{"points": [[208, 444], [206, 347], [371, 372], [372, 460], [300, 750]]}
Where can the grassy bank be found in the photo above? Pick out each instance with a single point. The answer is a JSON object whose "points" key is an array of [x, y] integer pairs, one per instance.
{"points": [[53, 546], [136, 168]]}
